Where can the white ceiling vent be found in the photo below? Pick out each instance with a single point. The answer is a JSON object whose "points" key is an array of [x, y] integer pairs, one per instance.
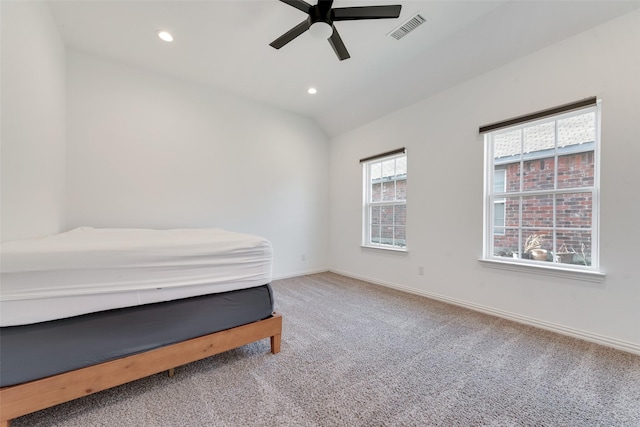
{"points": [[408, 26]]}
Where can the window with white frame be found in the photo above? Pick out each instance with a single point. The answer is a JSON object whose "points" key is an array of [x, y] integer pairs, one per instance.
{"points": [[542, 188], [385, 200]]}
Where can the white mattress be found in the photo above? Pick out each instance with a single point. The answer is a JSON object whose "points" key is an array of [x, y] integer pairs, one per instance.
{"points": [[89, 269]]}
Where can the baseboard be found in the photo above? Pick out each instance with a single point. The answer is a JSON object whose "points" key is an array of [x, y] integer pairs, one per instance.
{"points": [[299, 273], [542, 324]]}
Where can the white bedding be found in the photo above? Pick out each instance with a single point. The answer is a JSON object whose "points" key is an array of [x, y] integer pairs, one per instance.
{"points": [[89, 269]]}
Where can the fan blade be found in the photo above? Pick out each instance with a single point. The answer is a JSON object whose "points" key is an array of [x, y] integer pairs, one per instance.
{"points": [[365, 12], [298, 4], [338, 46], [325, 4], [291, 34]]}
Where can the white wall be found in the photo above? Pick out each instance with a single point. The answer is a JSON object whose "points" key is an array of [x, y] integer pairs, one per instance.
{"points": [[445, 188], [146, 150], [33, 122]]}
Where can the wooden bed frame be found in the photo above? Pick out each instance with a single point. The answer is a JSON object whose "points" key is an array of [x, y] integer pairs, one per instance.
{"points": [[33, 396]]}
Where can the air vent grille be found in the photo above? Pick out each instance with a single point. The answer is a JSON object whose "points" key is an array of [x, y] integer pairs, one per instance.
{"points": [[410, 25]]}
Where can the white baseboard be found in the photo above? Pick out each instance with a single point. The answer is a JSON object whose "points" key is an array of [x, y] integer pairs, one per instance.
{"points": [[299, 273], [542, 324]]}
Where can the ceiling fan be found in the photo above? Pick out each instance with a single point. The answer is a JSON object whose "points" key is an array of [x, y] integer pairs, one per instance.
{"points": [[322, 16]]}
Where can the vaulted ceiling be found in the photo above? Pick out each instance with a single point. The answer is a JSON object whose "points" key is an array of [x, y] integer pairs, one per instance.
{"points": [[225, 45]]}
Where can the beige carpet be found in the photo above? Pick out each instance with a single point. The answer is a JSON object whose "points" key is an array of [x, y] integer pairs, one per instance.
{"points": [[357, 354]]}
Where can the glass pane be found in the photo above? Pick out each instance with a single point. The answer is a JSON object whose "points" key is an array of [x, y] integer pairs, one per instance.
{"points": [[511, 176], [376, 192], [499, 176], [574, 210], [537, 211], [375, 234], [506, 245], [400, 236], [498, 216], [576, 170], [401, 166], [574, 247], [387, 235], [376, 171], [389, 191], [389, 168], [400, 215], [386, 215], [507, 144], [537, 245], [401, 189], [539, 138], [538, 174], [375, 215], [577, 129], [512, 212]]}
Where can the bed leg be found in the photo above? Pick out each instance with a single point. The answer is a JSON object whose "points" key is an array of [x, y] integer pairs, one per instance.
{"points": [[275, 343], [171, 372]]}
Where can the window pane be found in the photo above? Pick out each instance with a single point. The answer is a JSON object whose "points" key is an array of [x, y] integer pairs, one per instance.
{"points": [[375, 215], [507, 144], [538, 174], [577, 243], [537, 138], [401, 166], [498, 217], [400, 214], [537, 211], [506, 245], [512, 212], [574, 210], [499, 180], [576, 170], [387, 235], [375, 234], [400, 235], [577, 129], [376, 171], [386, 215], [511, 176], [401, 189], [376, 192], [388, 191], [537, 245], [388, 168]]}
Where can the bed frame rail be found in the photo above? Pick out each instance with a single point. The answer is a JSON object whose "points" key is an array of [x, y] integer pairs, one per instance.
{"points": [[33, 396]]}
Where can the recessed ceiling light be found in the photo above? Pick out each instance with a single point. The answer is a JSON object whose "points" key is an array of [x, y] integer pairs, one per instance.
{"points": [[165, 35], [312, 91]]}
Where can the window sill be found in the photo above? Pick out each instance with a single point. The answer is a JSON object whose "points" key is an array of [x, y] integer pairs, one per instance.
{"points": [[551, 270], [385, 248]]}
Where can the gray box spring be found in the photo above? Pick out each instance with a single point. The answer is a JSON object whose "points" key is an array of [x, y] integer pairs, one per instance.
{"points": [[30, 352]]}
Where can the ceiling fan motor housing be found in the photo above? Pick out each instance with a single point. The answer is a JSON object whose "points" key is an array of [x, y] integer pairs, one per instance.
{"points": [[320, 12]]}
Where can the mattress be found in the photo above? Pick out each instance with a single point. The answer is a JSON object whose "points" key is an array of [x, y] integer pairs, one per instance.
{"points": [[88, 269], [30, 352]]}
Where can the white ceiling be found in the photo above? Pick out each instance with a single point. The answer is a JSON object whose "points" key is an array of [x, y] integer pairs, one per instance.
{"points": [[225, 44]]}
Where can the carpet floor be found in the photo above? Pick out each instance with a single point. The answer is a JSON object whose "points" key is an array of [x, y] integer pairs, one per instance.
{"points": [[358, 354]]}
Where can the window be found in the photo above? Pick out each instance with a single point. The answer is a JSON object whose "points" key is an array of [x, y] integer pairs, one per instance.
{"points": [[385, 200], [542, 190]]}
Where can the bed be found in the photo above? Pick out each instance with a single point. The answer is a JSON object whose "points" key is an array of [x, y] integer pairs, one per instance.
{"points": [[90, 309]]}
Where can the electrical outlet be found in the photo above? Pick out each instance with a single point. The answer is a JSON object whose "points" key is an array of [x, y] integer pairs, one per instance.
{"points": [[421, 270]]}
